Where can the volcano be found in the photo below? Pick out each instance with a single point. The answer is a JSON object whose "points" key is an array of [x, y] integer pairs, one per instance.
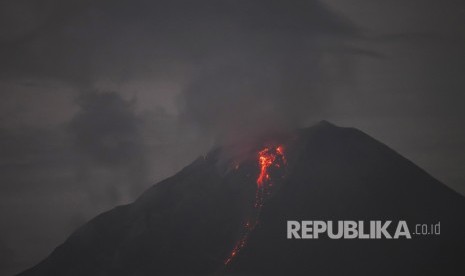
{"points": [[226, 214]]}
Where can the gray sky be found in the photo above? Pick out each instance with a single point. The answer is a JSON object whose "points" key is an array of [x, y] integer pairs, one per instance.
{"points": [[101, 99]]}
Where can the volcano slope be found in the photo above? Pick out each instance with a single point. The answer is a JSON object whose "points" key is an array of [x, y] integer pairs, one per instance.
{"points": [[191, 223]]}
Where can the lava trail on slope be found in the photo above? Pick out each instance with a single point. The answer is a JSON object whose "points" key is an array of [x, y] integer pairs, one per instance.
{"points": [[268, 158]]}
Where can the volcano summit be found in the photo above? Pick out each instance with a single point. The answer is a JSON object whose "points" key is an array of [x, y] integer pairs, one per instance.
{"points": [[228, 216]]}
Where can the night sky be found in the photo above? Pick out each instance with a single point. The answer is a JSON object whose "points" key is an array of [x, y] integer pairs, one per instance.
{"points": [[102, 99]]}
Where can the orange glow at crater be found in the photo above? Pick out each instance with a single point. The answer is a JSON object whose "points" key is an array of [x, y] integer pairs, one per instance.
{"points": [[268, 158]]}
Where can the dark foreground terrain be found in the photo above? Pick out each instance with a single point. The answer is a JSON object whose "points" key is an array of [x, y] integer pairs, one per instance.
{"points": [[188, 223]]}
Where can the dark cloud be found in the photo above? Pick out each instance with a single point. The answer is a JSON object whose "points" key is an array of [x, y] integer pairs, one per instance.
{"points": [[8, 260], [107, 136], [258, 91], [272, 69], [24, 19], [106, 129], [123, 39]]}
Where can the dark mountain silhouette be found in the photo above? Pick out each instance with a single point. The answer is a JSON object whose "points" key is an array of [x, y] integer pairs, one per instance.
{"points": [[188, 223]]}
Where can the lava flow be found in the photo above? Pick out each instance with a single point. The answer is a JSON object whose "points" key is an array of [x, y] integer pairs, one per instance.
{"points": [[268, 158]]}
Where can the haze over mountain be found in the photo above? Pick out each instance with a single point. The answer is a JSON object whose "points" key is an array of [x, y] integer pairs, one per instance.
{"points": [[188, 223], [102, 99]]}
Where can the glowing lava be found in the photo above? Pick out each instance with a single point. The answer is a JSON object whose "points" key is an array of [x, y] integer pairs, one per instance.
{"points": [[268, 157]]}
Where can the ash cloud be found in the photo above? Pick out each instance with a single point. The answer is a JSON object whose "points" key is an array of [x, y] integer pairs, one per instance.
{"points": [[106, 134], [235, 98], [274, 62], [261, 78]]}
